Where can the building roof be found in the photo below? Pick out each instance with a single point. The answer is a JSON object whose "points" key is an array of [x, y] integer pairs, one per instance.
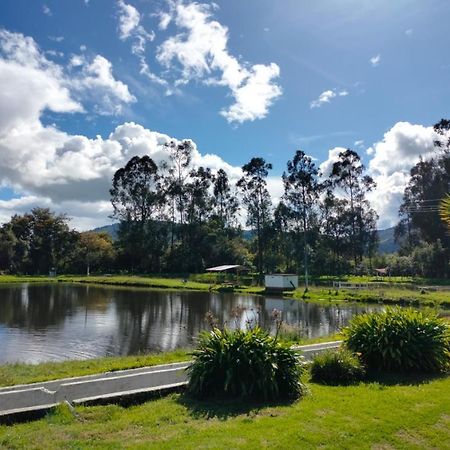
{"points": [[224, 268]]}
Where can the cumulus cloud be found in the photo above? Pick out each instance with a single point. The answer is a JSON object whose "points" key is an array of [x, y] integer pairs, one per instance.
{"points": [[49, 167], [375, 60], [95, 78], [129, 18], [392, 159], [326, 97], [201, 52], [34, 83], [333, 156]]}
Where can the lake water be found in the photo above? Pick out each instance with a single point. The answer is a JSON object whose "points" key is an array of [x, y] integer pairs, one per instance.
{"points": [[53, 322]]}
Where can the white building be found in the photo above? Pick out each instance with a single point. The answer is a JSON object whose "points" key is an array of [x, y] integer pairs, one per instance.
{"points": [[279, 282]]}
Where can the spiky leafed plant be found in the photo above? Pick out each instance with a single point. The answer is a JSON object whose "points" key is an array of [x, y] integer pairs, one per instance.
{"points": [[444, 210], [245, 364], [400, 339]]}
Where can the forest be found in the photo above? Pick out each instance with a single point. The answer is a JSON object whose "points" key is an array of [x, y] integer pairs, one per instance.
{"points": [[174, 219]]}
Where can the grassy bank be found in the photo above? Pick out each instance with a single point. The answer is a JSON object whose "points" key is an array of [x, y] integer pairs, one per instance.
{"points": [[381, 415], [386, 294], [31, 373], [20, 373]]}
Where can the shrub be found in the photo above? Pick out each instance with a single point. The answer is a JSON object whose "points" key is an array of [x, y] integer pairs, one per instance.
{"points": [[337, 367], [249, 364], [400, 339]]}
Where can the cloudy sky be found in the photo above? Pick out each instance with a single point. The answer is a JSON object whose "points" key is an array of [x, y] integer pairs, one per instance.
{"points": [[87, 84]]}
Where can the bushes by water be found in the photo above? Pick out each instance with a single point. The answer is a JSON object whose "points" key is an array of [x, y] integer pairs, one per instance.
{"points": [[400, 339], [245, 363], [340, 367]]}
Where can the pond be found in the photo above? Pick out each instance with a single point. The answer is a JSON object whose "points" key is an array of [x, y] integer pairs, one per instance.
{"points": [[58, 321]]}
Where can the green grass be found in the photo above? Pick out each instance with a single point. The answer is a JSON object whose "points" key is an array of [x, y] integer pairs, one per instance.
{"points": [[413, 415], [21, 373], [31, 373], [389, 295]]}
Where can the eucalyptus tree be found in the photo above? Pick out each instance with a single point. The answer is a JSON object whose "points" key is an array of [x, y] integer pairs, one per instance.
{"points": [[137, 199], [302, 189], [225, 203], [178, 172], [347, 174], [256, 198]]}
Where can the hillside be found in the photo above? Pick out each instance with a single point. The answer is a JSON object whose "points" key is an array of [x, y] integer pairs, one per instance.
{"points": [[387, 243]]}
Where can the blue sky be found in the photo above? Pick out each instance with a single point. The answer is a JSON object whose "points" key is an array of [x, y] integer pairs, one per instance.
{"points": [[241, 79]]}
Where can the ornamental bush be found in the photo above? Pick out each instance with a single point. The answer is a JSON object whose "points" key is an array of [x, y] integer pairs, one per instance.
{"points": [[340, 367], [244, 363], [400, 339]]}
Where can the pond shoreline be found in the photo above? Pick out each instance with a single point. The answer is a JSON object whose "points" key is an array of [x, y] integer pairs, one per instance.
{"points": [[321, 294]]}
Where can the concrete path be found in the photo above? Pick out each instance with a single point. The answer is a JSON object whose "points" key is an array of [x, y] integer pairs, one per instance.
{"points": [[38, 398]]}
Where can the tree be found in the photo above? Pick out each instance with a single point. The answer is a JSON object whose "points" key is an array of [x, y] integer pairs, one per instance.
{"points": [[256, 198], [96, 250], [137, 198], [39, 241], [302, 189], [348, 175], [225, 203], [135, 192]]}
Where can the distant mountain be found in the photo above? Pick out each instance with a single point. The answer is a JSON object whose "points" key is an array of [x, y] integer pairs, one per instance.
{"points": [[386, 237], [387, 242], [112, 230]]}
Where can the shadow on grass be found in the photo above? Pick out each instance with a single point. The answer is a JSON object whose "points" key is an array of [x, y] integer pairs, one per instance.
{"points": [[224, 408], [403, 378]]}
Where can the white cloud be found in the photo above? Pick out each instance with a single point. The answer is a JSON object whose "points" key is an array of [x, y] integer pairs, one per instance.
{"points": [[375, 60], [164, 20], [56, 38], [128, 19], [33, 82], [201, 52], [326, 97], [392, 159], [254, 98], [130, 27], [95, 80], [46, 10], [333, 156], [409, 32]]}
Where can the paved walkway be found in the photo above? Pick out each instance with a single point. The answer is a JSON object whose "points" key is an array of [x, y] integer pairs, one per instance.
{"points": [[40, 397]]}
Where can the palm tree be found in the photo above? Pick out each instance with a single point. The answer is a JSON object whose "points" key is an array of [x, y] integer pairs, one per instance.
{"points": [[444, 210]]}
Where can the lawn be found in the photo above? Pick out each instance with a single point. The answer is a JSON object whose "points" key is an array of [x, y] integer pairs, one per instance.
{"points": [[410, 415]]}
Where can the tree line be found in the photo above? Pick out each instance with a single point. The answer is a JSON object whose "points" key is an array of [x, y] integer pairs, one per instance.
{"points": [[176, 219]]}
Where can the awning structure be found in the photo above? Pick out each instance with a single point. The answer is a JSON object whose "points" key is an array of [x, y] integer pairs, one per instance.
{"points": [[225, 267]]}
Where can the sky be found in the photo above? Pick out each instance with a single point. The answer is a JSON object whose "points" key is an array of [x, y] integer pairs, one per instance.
{"points": [[88, 84]]}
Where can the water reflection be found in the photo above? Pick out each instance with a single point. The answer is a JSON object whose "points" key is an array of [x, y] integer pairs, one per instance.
{"points": [[65, 321]]}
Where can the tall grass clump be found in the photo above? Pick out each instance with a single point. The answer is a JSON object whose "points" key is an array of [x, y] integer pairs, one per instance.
{"points": [[340, 367], [400, 339], [247, 364]]}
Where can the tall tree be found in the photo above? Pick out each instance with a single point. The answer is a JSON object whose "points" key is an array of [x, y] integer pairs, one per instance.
{"points": [[302, 189], [256, 198], [348, 175], [137, 199], [225, 202]]}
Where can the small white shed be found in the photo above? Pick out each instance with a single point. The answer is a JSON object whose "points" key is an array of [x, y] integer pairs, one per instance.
{"points": [[281, 282]]}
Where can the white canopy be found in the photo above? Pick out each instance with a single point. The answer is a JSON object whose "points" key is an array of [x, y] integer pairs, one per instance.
{"points": [[224, 268]]}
